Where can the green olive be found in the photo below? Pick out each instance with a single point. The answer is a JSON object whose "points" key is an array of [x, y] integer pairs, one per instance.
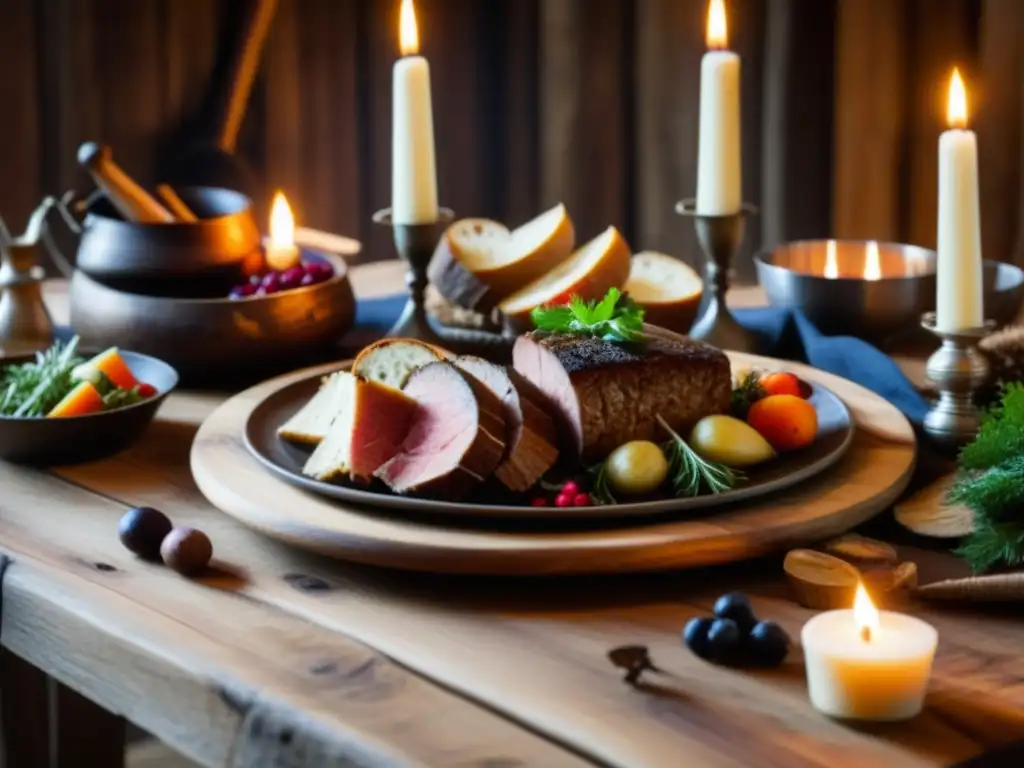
{"points": [[729, 441], [636, 467]]}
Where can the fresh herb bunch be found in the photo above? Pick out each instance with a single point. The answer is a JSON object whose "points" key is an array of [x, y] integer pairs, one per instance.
{"points": [[748, 390], [32, 389], [600, 491], [615, 318], [692, 474], [991, 484]]}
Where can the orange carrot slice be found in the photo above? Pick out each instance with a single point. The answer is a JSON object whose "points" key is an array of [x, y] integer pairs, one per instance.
{"points": [[113, 366], [80, 401]]}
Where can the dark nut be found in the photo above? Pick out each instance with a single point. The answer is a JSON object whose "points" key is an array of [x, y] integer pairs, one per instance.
{"points": [[186, 550], [142, 530]]}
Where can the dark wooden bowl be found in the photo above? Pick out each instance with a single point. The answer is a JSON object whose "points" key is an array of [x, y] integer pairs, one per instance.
{"points": [[214, 341], [42, 441], [201, 258]]}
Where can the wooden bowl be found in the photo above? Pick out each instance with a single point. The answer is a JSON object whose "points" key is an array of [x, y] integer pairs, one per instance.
{"points": [[42, 441], [218, 340], [201, 258]]}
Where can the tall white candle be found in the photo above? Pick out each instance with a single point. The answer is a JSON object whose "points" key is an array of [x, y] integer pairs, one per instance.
{"points": [[719, 187], [413, 165], [960, 300]]}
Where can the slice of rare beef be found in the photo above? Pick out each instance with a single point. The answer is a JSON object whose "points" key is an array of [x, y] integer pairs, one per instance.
{"points": [[456, 438], [530, 441], [605, 394]]}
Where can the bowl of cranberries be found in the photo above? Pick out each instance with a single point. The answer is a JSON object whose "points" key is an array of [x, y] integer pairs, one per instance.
{"points": [[276, 321], [311, 270]]}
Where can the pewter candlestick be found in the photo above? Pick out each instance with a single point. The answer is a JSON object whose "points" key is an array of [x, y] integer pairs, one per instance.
{"points": [[720, 238], [958, 371], [415, 244], [25, 324]]}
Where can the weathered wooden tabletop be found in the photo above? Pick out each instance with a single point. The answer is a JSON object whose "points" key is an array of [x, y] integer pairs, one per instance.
{"points": [[286, 659]]}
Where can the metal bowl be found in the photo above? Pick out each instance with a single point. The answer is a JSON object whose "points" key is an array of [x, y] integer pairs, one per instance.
{"points": [[844, 289], [42, 441], [218, 340], [198, 258]]}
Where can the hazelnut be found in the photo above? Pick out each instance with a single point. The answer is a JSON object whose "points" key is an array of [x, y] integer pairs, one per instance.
{"points": [[186, 550]]}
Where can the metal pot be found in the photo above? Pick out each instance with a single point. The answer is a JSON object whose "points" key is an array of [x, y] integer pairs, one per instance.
{"points": [[178, 259]]}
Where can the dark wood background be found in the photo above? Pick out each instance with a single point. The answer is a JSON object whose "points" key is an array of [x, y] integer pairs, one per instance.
{"points": [[592, 102]]}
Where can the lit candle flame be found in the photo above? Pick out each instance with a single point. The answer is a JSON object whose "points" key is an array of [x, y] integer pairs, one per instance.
{"points": [[872, 262], [865, 615], [282, 223], [831, 261], [408, 31], [717, 33], [956, 103]]}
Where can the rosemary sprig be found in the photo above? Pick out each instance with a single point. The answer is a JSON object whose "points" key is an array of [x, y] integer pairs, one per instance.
{"points": [[600, 492], [692, 474]]}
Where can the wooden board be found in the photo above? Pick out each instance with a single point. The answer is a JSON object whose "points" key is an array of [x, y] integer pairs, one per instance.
{"points": [[870, 478]]}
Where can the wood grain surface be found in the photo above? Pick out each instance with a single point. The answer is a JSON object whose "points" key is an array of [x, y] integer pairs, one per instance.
{"points": [[866, 481], [398, 669]]}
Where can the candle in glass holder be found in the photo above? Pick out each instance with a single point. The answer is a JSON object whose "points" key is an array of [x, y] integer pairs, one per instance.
{"points": [[863, 664], [719, 188], [413, 164], [960, 299], [279, 248]]}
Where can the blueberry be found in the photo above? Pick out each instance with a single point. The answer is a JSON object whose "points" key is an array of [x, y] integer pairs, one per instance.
{"points": [[724, 641], [142, 530], [736, 606], [695, 636], [768, 643]]}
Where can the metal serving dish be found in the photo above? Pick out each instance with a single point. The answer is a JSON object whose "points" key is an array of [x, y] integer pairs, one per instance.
{"points": [[221, 339], [845, 288], [199, 258]]}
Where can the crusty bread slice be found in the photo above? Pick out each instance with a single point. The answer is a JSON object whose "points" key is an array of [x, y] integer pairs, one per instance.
{"points": [[314, 419], [391, 361], [598, 265], [478, 262], [465, 242], [668, 289], [368, 431]]}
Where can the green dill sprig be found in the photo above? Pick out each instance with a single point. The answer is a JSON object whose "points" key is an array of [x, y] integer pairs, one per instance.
{"points": [[991, 483], [32, 389], [691, 474], [748, 390], [615, 318]]}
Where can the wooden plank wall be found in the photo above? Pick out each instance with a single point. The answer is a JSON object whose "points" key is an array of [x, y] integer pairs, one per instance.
{"points": [[592, 102]]}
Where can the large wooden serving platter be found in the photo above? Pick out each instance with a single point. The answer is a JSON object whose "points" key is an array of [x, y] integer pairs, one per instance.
{"points": [[867, 480]]}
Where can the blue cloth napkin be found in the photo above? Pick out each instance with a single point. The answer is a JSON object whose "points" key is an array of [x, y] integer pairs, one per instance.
{"points": [[787, 334]]}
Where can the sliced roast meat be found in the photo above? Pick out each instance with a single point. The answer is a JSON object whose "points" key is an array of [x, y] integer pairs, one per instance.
{"points": [[530, 441], [605, 394], [455, 440]]}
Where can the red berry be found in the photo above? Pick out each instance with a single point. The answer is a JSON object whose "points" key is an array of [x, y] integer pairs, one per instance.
{"points": [[540, 501], [570, 487], [563, 500], [308, 279], [146, 390], [270, 281], [581, 500]]}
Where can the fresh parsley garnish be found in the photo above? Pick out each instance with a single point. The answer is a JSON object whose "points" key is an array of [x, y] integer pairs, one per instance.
{"points": [[991, 484], [615, 318], [691, 475]]}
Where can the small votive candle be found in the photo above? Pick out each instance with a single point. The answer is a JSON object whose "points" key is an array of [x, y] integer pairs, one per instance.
{"points": [[863, 664]]}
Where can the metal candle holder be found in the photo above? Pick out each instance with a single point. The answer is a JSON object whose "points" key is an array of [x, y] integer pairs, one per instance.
{"points": [[415, 244], [720, 238], [958, 371]]}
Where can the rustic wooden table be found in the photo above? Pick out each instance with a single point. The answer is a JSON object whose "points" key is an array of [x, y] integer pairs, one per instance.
{"points": [[283, 658]]}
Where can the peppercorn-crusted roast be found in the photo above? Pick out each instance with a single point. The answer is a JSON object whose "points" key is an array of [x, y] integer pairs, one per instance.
{"points": [[605, 394]]}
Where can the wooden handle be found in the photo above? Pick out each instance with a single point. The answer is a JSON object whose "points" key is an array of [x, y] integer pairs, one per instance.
{"points": [[131, 200], [175, 204], [246, 64]]}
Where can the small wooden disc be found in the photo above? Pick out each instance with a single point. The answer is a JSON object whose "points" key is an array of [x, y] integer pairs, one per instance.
{"points": [[926, 513], [868, 480]]}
